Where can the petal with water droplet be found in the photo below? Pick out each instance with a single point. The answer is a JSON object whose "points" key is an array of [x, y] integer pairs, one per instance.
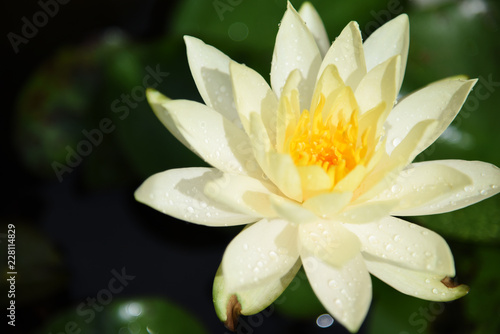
{"points": [[315, 25], [179, 193], [393, 38], [428, 183], [253, 94], [347, 54], [295, 48], [270, 252], [210, 71], [415, 247], [348, 300], [328, 241], [243, 194], [218, 141], [484, 182], [251, 300], [440, 101], [415, 283]]}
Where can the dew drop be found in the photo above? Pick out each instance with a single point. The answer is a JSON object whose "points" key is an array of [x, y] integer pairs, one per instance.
{"points": [[484, 192], [396, 141], [396, 188], [435, 291], [389, 247], [245, 246], [428, 281], [397, 237], [332, 283], [190, 209], [468, 188], [372, 239]]}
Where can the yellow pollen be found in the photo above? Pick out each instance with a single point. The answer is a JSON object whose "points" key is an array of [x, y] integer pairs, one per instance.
{"points": [[334, 147]]}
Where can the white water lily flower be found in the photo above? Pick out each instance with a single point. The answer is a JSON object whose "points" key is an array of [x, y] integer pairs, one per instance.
{"points": [[321, 162]]}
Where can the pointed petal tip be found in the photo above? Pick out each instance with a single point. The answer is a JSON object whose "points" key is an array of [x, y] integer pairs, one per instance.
{"points": [[155, 97], [459, 290]]}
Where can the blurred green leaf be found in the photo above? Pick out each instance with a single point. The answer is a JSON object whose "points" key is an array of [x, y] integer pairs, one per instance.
{"points": [[394, 312], [479, 222], [482, 303], [40, 268], [299, 300], [53, 107], [145, 315]]}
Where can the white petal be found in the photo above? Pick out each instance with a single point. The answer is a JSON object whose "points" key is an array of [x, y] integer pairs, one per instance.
{"points": [[243, 194], [485, 183], [379, 85], [315, 25], [279, 168], [439, 101], [366, 212], [411, 145], [405, 244], [253, 94], [391, 39], [414, 283], [260, 254], [179, 193], [251, 300], [295, 48], [288, 112], [156, 100], [421, 184], [328, 241], [346, 53], [210, 71], [292, 211], [328, 204], [345, 292], [218, 141]]}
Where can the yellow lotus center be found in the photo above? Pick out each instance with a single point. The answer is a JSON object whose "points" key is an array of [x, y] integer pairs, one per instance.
{"points": [[328, 138]]}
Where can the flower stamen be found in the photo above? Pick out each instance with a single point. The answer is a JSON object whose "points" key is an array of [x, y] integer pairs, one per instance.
{"points": [[335, 147]]}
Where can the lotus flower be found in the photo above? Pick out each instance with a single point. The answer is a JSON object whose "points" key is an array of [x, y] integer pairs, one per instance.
{"points": [[318, 164]]}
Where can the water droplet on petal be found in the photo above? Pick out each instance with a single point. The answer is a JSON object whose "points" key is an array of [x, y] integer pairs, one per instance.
{"points": [[396, 141], [396, 188], [332, 283]]}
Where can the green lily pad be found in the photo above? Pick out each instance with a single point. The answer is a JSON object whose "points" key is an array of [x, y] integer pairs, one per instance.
{"points": [[145, 315]]}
